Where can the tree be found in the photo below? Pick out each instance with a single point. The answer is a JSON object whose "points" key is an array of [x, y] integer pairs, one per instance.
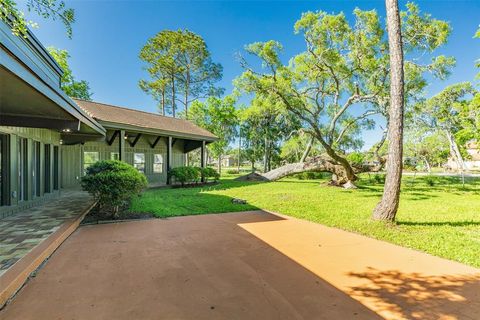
{"points": [[267, 124], [53, 9], [477, 35], [344, 67], [386, 209], [218, 116], [73, 88], [426, 146], [454, 113], [181, 70]]}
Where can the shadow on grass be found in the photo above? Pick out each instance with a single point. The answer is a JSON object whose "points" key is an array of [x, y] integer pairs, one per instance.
{"points": [[164, 203], [419, 296], [440, 223]]}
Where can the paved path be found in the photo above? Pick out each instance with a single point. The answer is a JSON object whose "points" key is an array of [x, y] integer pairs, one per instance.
{"points": [[23, 231], [251, 265]]}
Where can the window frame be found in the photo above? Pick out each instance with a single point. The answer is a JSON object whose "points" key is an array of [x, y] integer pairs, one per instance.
{"points": [[88, 164], [137, 164], [155, 163]]}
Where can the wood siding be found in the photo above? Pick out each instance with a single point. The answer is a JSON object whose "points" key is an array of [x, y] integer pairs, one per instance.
{"points": [[32, 135]]}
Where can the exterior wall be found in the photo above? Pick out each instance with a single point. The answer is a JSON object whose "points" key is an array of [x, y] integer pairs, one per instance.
{"points": [[73, 158], [32, 197]]}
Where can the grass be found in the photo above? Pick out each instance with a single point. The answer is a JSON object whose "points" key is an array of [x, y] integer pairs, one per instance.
{"points": [[442, 218]]}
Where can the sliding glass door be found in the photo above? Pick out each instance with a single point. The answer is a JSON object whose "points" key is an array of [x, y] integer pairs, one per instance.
{"points": [[22, 169]]}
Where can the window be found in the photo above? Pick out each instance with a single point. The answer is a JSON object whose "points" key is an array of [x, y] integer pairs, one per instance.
{"points": [[157, 163], [56, 167], [48, 168], [22, 169], [4, 167], [114, 156], [139, 161], [89, 158], [36, 169]]}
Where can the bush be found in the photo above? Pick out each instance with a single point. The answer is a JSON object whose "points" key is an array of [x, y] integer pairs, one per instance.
{"points": [[185, 174], [209, 172], [379, 178], [310, 175], [233, 171], [430, 181], [112, 183]]}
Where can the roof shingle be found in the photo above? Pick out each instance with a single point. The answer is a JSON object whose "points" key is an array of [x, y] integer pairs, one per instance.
{"points": [[141, 119]]}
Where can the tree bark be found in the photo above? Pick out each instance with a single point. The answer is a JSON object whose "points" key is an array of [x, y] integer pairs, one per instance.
{"points": [[321, 163], [265, 156], [386, 209], [455, 151], [307, 150], [427, 164], [173, 95]]}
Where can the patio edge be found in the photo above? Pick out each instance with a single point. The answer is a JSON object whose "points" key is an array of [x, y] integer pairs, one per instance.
{"points": [[14, 278]]}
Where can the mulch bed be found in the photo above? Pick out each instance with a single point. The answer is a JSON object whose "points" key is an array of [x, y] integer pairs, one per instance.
{"points": [[96, 215]]}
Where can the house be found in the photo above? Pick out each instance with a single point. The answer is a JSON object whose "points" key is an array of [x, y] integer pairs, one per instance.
{"points": [[48, 139], [472, 162], [228, 161]]}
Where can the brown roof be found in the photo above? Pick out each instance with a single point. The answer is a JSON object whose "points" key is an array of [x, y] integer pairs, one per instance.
{"points": [[145, 121]]}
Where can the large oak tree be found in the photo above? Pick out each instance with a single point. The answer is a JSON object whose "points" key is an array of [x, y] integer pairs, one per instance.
{"points": [[341, 81]]}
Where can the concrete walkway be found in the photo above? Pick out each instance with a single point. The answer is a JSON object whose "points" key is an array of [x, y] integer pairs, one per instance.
{"points": [[251, 265]]}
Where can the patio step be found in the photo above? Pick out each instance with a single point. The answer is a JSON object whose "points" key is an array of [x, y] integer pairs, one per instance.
{"points": [[12, 280]]}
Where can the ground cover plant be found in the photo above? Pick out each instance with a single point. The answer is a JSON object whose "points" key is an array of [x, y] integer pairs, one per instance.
{"points": [[441, 219]]}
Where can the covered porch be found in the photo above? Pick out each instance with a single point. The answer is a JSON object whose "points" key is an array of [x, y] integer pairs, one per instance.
{"points": [[31, 235]]}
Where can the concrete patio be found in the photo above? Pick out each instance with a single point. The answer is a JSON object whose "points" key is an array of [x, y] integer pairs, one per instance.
{"points": [[251, 265]]}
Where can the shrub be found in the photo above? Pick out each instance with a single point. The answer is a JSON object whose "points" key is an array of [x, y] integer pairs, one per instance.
{"points": [[112, 183], [310, 175], [185, 174], [233, 171], [430, 181], [209, 172], [379, 178]]}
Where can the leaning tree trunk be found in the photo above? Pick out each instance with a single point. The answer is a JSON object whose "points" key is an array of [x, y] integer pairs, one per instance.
{"points": [[321, 163], [307, 150], [387, 208], [455, 151]]}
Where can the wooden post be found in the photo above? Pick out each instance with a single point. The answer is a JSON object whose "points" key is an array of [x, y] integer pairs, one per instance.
{"points": [[169, 159], [121, 145], [202, 158]]}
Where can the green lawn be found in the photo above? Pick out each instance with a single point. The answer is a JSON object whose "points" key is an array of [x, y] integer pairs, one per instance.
{"points": [[443, 219]]}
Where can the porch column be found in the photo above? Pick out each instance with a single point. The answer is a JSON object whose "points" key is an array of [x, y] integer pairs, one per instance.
{"points": [[121, 145], [202, 158], [169, 159]]}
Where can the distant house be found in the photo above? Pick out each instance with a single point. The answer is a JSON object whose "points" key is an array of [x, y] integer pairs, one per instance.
{"points": [[48, 139], [473, 160], [228, 161]]}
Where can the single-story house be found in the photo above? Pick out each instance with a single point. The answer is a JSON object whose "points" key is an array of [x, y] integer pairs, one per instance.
{"points": [[472, 162], [48, 139]]}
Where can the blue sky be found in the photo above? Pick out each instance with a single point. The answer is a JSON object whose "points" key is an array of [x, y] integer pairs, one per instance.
{"points": [[108, 36]]}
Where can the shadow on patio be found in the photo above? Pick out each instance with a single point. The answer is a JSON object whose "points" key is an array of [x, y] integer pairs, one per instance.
{"points": [[195, 267], [419, 296]]}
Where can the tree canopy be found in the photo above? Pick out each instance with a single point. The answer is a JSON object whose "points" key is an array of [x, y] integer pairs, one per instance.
{"points": [[219, 116], [181, 70], [72, 87], [345, 66], [52, 9]]}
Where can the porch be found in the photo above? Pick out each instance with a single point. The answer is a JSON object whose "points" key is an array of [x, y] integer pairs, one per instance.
{"points": [[30, 236]]}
